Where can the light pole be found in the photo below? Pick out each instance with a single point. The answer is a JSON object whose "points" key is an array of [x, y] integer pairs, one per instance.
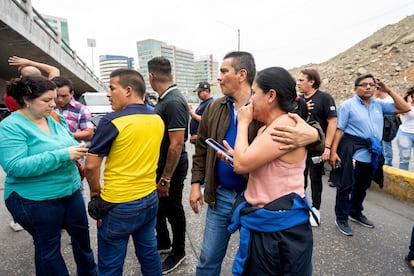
{"points": [[92, 43], [238, 40], [238, 33]]}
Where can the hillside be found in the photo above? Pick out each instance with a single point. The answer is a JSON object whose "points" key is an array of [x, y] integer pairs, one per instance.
{"points": [[388, 54]]}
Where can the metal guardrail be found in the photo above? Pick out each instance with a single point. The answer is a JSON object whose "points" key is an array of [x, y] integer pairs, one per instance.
{"points": [[26, 7]]}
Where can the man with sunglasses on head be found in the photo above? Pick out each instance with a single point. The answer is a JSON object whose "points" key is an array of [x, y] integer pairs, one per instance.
{"points": [[356, 153]]}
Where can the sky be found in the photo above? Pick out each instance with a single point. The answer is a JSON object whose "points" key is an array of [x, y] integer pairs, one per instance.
{"points": [[286, 33]]}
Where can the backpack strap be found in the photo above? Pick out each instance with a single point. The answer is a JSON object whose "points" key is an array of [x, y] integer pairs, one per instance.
{"points": [[56, 117]]}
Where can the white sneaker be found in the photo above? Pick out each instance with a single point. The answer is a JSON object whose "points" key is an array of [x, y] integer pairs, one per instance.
{"points": [[312, 220], [15, 226]]}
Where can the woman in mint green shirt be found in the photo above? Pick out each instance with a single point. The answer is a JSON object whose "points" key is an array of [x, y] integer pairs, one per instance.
{"points": [[42, 183]]}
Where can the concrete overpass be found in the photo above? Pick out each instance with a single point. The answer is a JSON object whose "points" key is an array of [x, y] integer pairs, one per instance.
{"points": [[22, 36]]}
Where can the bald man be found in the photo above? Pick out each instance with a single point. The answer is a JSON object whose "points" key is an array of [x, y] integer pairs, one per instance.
{"points": [[26, 68], [29, 67]]}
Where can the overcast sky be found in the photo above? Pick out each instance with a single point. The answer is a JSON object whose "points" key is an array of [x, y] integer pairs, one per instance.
{"points": [[285, 33]]}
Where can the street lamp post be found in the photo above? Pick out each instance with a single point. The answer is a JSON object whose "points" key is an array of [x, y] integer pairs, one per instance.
{"points": [[238, 40], [238, 33], [92, 43]]}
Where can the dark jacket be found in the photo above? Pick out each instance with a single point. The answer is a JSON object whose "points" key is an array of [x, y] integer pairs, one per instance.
{"points": [[215, 122], [343, 177]]}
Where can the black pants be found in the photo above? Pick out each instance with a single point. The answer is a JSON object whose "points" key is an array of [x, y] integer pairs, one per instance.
{"points": [[315, 172], [287, 252], [171, 208], [349, 201]]}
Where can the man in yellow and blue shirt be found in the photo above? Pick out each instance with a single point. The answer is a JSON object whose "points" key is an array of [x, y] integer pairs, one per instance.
{"points": [[130, 139]]}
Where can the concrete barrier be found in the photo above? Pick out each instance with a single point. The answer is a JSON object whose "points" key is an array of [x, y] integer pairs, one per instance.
{"points": [[398, 183]]}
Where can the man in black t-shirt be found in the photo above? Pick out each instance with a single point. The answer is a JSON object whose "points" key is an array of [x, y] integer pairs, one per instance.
{"points": [[173, 162], [322, 109]]}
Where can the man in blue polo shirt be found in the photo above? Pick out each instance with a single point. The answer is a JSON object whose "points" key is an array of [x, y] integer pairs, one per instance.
{"points": [[357, 146]]}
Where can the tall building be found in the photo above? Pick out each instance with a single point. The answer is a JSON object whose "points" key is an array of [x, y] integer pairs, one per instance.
{"points": [[108, 63], [60, 25], [206, 69], [182, 63]]}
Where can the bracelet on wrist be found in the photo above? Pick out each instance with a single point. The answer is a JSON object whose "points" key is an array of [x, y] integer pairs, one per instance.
{"points": [[327, 147]]}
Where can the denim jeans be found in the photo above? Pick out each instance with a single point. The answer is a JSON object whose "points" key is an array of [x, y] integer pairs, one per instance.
{"points": [[387, 151], [216, 237], [44, 221], [137, 219], [349, 201], [405, 142], [171, 208]]}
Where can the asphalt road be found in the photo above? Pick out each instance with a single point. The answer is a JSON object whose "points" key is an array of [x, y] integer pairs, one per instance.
{"points": [[377, 251]]}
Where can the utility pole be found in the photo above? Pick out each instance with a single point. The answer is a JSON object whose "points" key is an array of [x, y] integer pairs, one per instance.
{"points": [[238, 33], [92, 43], [238, 40]]}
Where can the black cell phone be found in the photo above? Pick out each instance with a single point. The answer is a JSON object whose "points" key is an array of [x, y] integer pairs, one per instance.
{"points": [[337, 164], [219, 147]]}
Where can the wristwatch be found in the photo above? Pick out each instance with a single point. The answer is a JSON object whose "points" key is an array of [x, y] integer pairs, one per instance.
{"points": [[164, 181]]}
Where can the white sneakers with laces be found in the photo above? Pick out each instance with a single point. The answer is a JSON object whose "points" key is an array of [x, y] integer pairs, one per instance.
{"points": [[15, 226], [312, 219]]}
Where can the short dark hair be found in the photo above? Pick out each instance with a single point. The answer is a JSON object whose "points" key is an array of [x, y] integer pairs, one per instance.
{"points": [[409, 92], [312, 74], [161, 68], [364, 76], [243, 60], [130, 77], [30, 88], [61, 82]]}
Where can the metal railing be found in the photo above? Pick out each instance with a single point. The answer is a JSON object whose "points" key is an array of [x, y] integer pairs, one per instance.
{"points": [[26, 7]]}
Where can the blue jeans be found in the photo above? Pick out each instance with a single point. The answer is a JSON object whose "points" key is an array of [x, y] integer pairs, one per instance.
{"points": [[349, 201], [44, 221], [136, 218], [387, 151], [405, 142], [216, 237]]}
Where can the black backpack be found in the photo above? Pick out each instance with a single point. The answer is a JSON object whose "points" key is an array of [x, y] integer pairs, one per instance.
{"points": [[391, 124]]}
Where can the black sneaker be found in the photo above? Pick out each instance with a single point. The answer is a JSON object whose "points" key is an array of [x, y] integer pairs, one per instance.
{"points": [[171, 263], [361, 219], [344, 227], [162, 251], [408, 260]]}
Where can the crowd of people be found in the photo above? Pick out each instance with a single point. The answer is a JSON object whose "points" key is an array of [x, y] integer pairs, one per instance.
{"points": [[277, 131]]}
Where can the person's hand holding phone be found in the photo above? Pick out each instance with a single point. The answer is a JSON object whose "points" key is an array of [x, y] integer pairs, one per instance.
{"points": [[228, 152], [225, 153]]}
